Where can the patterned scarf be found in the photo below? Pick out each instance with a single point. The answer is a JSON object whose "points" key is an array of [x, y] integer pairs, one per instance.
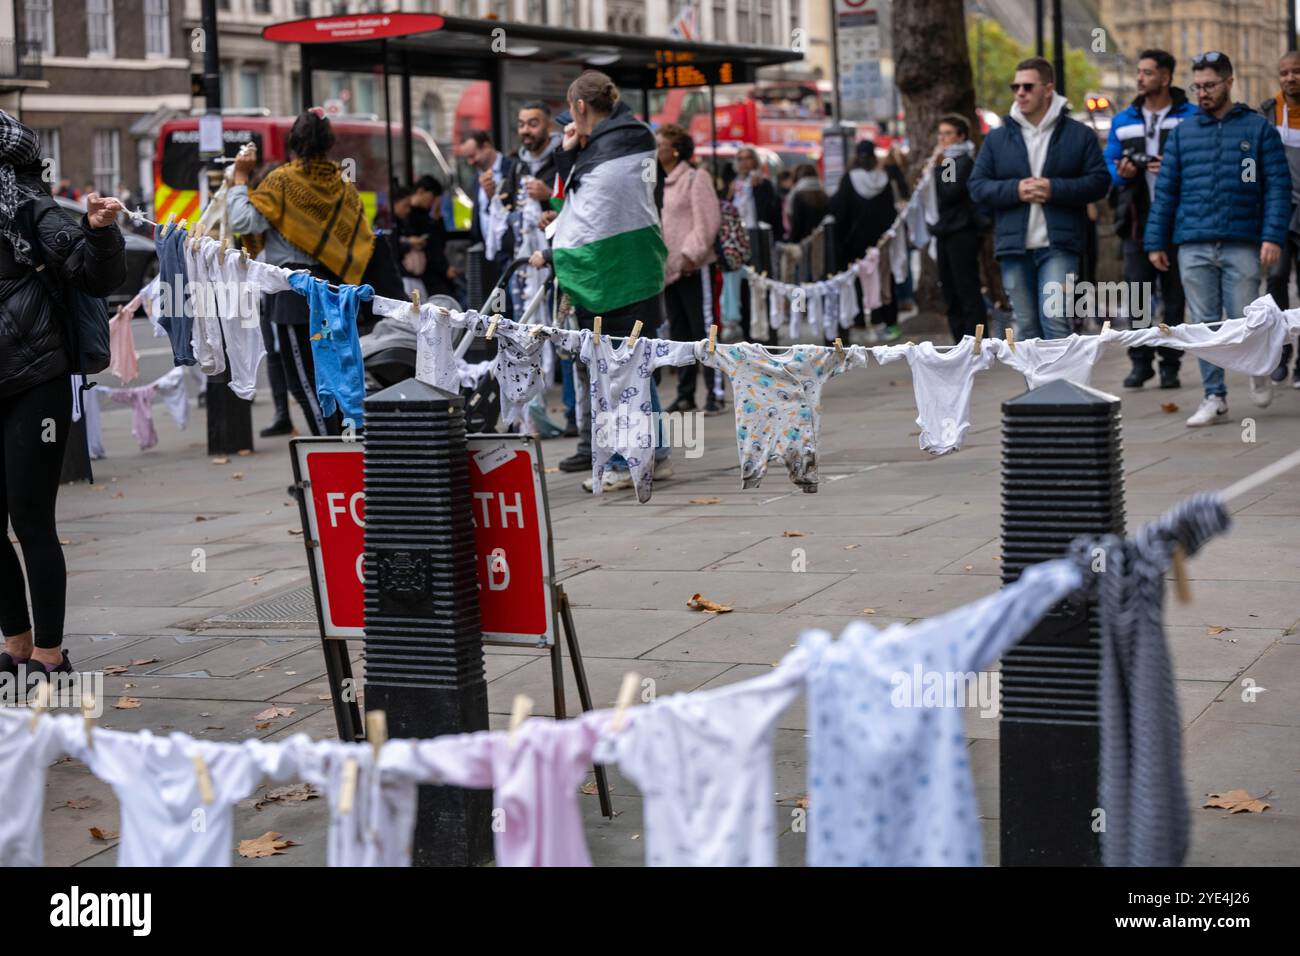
{"points": [[315, 209], [19, 146]]}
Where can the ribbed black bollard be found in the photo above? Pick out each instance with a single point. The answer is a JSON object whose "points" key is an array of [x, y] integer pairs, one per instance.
{"points": [[423, 645], [1062, 476]]}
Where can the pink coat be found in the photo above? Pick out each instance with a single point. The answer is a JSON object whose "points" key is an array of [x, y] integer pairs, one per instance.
{"points": [[691, 219]]}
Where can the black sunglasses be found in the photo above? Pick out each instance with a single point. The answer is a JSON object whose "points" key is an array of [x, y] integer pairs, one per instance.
{"points": [[1017, 87], [1205, 59]]}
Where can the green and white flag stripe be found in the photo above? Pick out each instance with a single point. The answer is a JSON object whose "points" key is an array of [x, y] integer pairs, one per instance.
{"points": [[608, 248]]}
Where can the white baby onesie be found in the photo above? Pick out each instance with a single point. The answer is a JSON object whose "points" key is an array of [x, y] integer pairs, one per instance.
{"points": [[171, 389], [941, 382], [204, 272], [848, 300], [703, 763], [519, 368], [898, 254], [1252, 345], [354, 836], [245, 347], [25, 755], [777, 306], [760, 325], [830, 296], [620, 403], [777, 393], [436, 362], [889, 780], [165, 821], [1046, 360]]}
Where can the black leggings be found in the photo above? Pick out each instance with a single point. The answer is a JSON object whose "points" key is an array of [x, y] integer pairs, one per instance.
{"points": [[294, 355], [33, 433]]}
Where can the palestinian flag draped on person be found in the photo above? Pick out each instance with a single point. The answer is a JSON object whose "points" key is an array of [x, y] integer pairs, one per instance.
{"points": [[608, 249]]}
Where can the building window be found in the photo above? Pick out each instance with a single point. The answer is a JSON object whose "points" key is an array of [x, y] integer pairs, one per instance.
{"points": [[250, 87], [157, 28], [743, 32], [40, 24], [108, 161], [719, 20], [569, 13], [536, 12], [50, 150], [262, 6], [302, 8], [99, 27], [501, 8]]}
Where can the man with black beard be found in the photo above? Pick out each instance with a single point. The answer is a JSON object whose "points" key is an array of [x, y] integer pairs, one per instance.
{"points": [[526, 192]]}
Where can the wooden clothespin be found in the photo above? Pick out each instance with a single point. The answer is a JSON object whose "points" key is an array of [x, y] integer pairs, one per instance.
{"points": [[167, 225], [243, 257], [1011, 338], [522, 707], [631, 681], [1182, 589], [713, 338], [1105, 327], [376, 731], [636, 330], [839, 346], [595, 330], [205, 778], [88, 717], [1165, 329], [535, 329], [41, 703], [979, 336], [415, 301], [492, 327], [349, 785]]}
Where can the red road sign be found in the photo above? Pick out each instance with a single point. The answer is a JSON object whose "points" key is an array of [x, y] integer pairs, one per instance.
{"points": [[511, 531], [358, 26]]}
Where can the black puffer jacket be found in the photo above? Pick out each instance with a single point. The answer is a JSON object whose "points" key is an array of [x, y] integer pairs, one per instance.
{"points": [[33, 337]]}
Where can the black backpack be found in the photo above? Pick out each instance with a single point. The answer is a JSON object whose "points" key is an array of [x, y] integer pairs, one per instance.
{"points": [[85, 317]]}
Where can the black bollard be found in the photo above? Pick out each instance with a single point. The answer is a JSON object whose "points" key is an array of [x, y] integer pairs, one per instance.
{"points": [[230, 419], [1062, 476], [423, 644]]}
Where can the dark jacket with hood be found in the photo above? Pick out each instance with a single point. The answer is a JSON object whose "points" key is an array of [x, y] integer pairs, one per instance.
{"points": [[863, 207], [957, 212], [33, 334], [1131, 198]]}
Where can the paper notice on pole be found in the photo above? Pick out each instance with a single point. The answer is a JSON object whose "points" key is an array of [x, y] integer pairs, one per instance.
{"points": [[491, 458], [210, 134]]}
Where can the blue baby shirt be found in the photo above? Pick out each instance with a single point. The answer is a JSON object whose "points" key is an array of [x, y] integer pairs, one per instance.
{"points": [[335, 345]]}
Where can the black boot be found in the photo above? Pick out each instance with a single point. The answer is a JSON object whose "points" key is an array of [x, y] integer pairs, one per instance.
{"points": [[1139, 376], [1169, 377]]}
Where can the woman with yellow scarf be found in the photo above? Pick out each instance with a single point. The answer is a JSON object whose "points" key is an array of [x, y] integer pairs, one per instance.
{"points": [[302, 215]]}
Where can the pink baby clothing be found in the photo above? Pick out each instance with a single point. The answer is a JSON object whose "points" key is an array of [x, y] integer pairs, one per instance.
{"points": [[868, 269], [123, 361], [140, 399]]}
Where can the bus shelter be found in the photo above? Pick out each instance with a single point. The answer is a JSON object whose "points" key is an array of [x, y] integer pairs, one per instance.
{"points": [[519, 61]]}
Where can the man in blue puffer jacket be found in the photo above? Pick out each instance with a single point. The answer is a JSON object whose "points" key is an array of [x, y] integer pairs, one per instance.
{"points": [[1223, 197], [1036, 174]]}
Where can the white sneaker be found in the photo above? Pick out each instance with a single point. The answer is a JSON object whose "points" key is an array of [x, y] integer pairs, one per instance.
{"points": [[1261, 390], [663, 468], [614, 480], [1213, 411]]}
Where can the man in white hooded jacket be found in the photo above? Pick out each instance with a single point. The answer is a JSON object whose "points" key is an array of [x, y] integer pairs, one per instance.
{"points": [[1036, 175]]}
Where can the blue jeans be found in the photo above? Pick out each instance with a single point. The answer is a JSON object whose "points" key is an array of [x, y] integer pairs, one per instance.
{"points": [[566, 389], [1025, 276], [1218, 277]]}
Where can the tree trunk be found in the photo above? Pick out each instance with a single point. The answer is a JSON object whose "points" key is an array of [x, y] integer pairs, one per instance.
{"points": [[933, 74]]}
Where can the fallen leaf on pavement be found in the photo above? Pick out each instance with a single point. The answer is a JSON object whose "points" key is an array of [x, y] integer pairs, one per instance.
{"points": [[1216, 630], [65, 541], [200, 518], [868, 610], [244, 452], [322, 696], [268, 844], [237, 476], [1236, 801], [81, 803], [126, 703], [144, 660], [223, 460], [850, 547], [294, 793], [262, 726], [259, 668], [295, 530], [1169, 407], [700, 603], [970, 567], [802, 803], [792, 534], [706, 501], [552, 470], [272, 712], [115, 669], [99, 833]]}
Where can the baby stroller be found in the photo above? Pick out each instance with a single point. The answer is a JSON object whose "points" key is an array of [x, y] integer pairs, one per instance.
{"points": [[388, 353]]}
